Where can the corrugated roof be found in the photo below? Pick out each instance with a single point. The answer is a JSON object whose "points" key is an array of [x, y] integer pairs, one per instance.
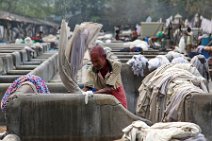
{"points": [[17, 18]]}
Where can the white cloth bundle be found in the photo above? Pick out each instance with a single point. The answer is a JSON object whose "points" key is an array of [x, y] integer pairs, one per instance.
{"points": [[138, 64], [139, 43], [18, 41], [172, 54], [201, 64], [157, 62], [50, 38], [28, 40], [206, 25], [179, 60], [153, 64], [140, 131]]}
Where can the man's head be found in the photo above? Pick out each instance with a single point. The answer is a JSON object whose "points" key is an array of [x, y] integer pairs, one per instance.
{"points": [[188, 29], [98, 57]]}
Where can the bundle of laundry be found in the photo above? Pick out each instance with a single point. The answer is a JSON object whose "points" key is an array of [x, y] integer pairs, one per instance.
{"points": [[173, 54], [178, 131], [201, 64], [28, 40], [179, 60], [136, 46], [138, 64], [19, 41], [50, 38], [156, 62], [162, 92]]}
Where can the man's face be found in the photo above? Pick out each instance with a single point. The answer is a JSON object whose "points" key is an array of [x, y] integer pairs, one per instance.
{"points": [[98, 61]]}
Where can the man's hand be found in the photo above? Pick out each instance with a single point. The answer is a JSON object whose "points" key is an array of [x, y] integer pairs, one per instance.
{"points": [[85, 89]]}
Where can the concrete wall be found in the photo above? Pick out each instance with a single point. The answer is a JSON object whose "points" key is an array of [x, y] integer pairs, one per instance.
{"points": [[66, 117], [48, 69], [131, 84], [198, 109]]}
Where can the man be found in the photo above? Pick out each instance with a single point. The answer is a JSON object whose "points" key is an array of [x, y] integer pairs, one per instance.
{"points": [[104, 76], [134, 34], [189, 40]]}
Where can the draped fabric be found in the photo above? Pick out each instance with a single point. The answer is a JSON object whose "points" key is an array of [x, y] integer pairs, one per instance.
{"points": [[183, 131], [71, 51], [163, 91], [158, 61], [206, 25], [201, 64], [38, 85]]}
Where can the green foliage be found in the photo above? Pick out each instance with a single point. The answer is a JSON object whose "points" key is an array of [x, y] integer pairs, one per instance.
{"points": [[108, 11]]}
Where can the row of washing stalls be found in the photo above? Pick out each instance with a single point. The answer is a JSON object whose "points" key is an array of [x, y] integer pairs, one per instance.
{"points": [[14, 26]]}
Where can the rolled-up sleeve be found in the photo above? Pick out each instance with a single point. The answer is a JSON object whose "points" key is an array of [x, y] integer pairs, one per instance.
{"points": [[114, 76]]}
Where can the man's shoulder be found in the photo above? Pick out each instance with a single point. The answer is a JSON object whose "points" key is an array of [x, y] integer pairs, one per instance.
{"points": [[91, 69], [115, 63]]}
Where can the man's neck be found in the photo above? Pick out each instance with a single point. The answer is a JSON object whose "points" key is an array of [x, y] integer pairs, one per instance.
{"points": [[105, 69]]}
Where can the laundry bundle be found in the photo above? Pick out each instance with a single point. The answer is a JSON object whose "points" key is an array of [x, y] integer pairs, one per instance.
{"points": [[163, 92], [138, 64], [171, 131]]}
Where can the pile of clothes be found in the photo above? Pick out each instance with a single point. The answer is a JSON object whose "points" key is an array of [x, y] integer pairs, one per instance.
{"points": [[171, 131], [162, 92], [140, 63]]}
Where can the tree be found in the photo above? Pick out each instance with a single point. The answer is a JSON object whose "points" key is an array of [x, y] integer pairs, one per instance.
{"points": [[31, 8]]}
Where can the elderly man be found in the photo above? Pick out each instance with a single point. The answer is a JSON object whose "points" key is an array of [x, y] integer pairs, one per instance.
{"points": [[104, 75]]}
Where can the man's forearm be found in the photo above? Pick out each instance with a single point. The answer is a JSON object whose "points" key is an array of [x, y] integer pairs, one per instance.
{"points": [[107, 90]]}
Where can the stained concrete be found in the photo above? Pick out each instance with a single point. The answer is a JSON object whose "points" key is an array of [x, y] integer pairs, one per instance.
{"points": [[66, 117], [198, 109]]}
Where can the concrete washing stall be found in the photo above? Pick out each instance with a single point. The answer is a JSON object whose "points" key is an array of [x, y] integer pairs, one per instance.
{"points": [[62, 116]]}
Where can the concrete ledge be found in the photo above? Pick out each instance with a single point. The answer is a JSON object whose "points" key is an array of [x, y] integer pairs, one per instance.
{"points": [[66, 117], [45, 56], [8, 78], [18, 72], [48, 69], [26, 67], [56, 88]]}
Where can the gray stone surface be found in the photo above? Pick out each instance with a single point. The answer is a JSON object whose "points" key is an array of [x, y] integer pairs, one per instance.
{"points": [[66, 117], [198, 109], [131, 84], [48, 69], [8, 78]]}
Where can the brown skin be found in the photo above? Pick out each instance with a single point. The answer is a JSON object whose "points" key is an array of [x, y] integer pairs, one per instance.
{"points": [[100, 63]]}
